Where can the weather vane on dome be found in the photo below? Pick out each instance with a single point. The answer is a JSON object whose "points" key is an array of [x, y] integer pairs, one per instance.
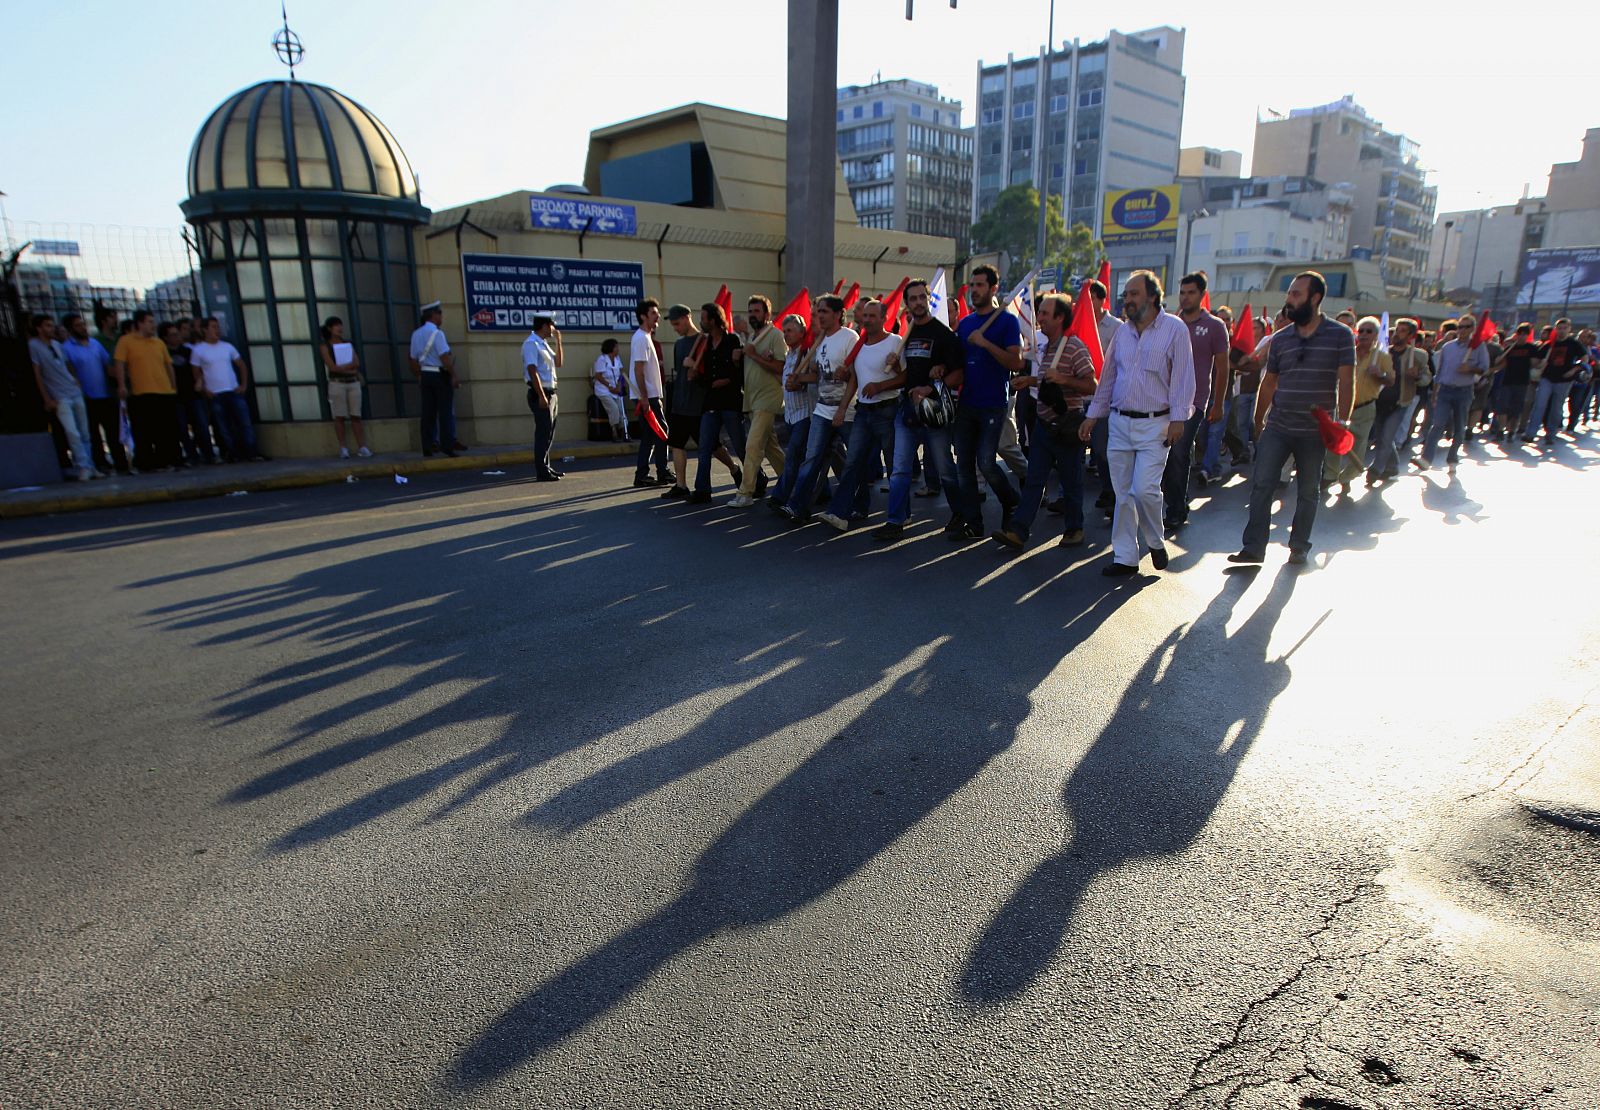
{"points": [[286, 44]]}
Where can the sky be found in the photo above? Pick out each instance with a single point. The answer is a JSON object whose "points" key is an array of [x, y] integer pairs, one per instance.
{"points": [[491, 96]]}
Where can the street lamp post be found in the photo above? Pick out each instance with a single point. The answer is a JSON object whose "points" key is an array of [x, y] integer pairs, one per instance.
{"points": [[1476, 240], [1042, 150], [1444, 246]]}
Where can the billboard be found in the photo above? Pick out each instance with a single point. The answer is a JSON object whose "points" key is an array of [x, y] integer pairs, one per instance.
{"points": [[1560, 275], [1140, 216], [505, 292]]}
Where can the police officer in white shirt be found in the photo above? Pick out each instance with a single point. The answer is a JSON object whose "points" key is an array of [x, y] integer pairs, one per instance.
{"points": [[434, 366], [542, 356]]}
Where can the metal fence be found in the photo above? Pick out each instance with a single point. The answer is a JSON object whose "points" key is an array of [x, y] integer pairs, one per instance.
{"points": [[69, 267]]}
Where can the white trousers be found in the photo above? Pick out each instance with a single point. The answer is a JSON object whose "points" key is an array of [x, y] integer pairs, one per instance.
{"points": [[1137, 454]]}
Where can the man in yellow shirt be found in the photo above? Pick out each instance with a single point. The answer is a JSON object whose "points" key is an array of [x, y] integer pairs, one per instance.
{"points": [[1374, 371], [143, 368]]}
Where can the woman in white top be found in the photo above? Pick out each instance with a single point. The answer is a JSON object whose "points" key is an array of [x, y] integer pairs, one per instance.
{"points": [[608, 387]]}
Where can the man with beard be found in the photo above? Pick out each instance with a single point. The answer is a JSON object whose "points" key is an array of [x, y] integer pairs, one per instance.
{"points": [[993, 339], [1310, 366], [1146, 394], [764, 351], [932, 355]]}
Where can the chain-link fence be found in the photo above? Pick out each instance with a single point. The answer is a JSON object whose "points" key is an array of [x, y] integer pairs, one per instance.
{"points": [[71, 267]]}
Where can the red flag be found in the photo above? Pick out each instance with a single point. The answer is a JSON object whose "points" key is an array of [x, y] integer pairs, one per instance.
{"points": [[1244, 333], [962, 308], [1105, 275], [1484, 332], [649, 414], [1205, 301], [838, 286], [801, 307], [853, 296], [891, 307], [1335, 437], [724, 300], [1087, 328]]}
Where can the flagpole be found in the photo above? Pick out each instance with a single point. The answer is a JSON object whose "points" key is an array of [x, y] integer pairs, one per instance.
{"points": [[1041, 151]]}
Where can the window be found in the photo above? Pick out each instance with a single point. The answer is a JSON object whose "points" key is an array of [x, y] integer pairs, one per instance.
{"points": [[1272, 239], [1088, 132], [992, 115], [955, 119], [1241, 240], [1292, 185], [1080, 166], [916, 111], [1214, 159], [993, 82], [1021, 142], [1091, 98], [1092, 63], [1202, 243], [838, 116], [1057, 171], [1022, 110], [877, 109], [994, 146], [1058, 103], [855, 113]]}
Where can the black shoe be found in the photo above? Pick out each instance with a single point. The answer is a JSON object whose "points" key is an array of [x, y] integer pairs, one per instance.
{"points": [[761, 484], [447, 451], [890, 531], [1297, 558], [775, 503], [645, 483], [966, 533], [458, 446], [738, 477], [664, 479], [1247, 557], [1119, 570], [1106, 500], [1158, 558], [558, 473], [676, 493], [1005, 519], [1056, 507], [547, 476], [1009, 537], [700, 497], [953, 525]]}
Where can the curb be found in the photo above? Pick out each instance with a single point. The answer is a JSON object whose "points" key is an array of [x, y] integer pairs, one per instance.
{"points": [[321, 475]]}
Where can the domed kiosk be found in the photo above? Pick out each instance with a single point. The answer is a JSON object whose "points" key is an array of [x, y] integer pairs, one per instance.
{"points": [[303, 207]]}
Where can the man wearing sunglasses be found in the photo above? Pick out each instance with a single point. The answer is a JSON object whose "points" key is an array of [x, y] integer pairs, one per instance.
{"points": [[1311, 366]]}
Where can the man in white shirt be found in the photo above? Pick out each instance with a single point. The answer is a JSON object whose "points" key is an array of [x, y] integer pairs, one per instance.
{"points": [[1146, 395], [224, 380], [877, 378], [542, 356], [644, 374], [835, 404], [434, 366]]}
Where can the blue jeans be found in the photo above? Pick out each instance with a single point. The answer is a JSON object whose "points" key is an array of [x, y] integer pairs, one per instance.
{"points": [[819, 442], [1548, 402], [1243, 407], [438, 411], [1273, 449], [1061, 449], [712, 424], [1387, 439], [1099, 454], [870, 432], [230, 415], [194, 428], [794, 454], [1175, 479], [652, 448], [1449, 410], [936, 458], [976, 437]]}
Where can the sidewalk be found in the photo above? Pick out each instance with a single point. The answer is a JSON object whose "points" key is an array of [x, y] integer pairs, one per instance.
{"points": [[218, 481]]}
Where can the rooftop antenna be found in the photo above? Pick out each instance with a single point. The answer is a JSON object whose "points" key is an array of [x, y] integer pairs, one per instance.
{"points": [[286, 44]]}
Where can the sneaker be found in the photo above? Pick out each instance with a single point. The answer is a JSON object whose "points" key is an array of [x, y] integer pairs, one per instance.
{"points": [[838, 524], [1158, 558], [645, 483], [965, 533], [740, 501], [664, 479], [364, 452], [1009, 537], [676, 493], [1206, 478], [1072, 538], [1118, 570], [1247, 557], [954, 524], [344, 452], [700, 497], [890, 531]]}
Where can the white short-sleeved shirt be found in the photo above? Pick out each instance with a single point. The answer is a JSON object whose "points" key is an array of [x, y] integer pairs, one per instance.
{"points": [[608, 376], [216, 365], [872, 365], [430, 363], [643, 349], [537, 353]]}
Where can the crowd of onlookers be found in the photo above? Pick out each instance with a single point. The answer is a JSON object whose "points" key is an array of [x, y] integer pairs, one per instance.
{"points": [[138, 395]]}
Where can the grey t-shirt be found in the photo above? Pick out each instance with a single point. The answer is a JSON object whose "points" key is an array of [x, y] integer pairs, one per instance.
{"points": [[1308, 374], [688, 393], [58, 376]]}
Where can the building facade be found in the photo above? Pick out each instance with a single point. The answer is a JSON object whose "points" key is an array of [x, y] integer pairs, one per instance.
{"points": [[1107, 115], [1294, 219], [1206, 161], [1394, 206], [905, 157]]}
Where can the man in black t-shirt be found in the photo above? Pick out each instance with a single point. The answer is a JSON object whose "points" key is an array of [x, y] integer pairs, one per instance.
{"points": [[933, 357], [686, 403], [720, 369], [194, 423], [1511, 392], [1564, 357]]}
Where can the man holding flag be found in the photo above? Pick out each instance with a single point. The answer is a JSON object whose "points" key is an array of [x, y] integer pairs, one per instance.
{"points": [[1459, 365]]}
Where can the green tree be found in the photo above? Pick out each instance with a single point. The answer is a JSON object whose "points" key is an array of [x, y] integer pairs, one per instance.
{"points": [[1012, 226]]}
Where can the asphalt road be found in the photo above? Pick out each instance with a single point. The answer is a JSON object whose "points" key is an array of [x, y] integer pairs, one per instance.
{"points": [[485, 792]]}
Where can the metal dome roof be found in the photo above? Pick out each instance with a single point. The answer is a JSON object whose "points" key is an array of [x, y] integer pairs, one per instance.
{"points": [[287, 143]]}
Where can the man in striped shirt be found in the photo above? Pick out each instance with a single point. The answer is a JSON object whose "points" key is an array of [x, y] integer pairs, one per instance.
{"points": [[1310, 366]]}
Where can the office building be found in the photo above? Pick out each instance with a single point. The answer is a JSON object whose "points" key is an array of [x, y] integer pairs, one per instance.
{"points": [[1207, 161], [1107, 116], [1394, 206], [905, 157]]}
